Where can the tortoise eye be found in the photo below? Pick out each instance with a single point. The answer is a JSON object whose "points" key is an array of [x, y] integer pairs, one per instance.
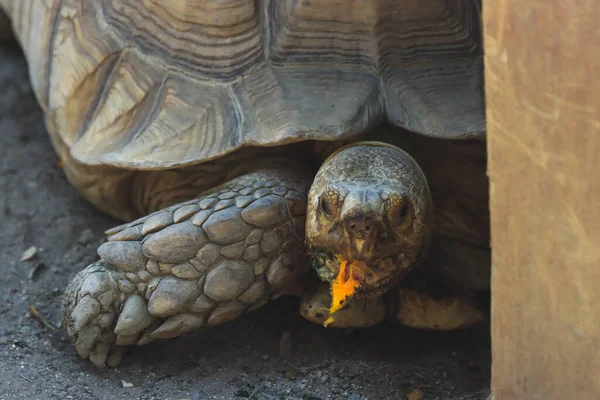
{"points": [[398, 212], [403, 212], [325, 205], [329, 203]]}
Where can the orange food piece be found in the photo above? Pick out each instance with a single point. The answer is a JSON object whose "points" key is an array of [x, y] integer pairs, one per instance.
{"points": [[343, 288]]}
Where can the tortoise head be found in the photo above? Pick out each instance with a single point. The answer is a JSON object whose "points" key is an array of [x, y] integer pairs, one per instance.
{"points": [[369, 217]]}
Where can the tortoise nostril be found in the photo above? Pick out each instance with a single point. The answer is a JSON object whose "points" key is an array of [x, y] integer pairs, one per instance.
{"points": [[361, 228]]}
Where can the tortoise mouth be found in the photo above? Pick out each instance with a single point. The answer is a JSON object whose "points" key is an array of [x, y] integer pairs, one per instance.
{"points": [[374, 277]]}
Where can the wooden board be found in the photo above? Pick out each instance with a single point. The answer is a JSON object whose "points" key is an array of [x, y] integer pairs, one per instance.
{"points": [[543, 108]]}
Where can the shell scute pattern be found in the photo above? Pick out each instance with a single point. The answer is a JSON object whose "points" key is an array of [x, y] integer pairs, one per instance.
{"points": [[309, 72]]}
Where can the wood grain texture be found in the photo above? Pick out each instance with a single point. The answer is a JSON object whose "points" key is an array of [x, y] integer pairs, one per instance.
{"points": [[543, 109], [148, 84]]}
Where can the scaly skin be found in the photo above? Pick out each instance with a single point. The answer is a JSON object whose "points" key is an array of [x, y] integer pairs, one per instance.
{"points": [[202, 262], [370, 204], [206, 261], [402, 305]]}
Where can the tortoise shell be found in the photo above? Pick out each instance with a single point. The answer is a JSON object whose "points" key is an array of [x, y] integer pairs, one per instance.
{"points": [[148, 84]]}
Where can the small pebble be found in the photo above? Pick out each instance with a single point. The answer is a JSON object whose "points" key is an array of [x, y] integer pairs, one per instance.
{"points": [[354, 397], [415, 394], [265, 357], [289, 375], [324, 378], [127, 384], [29, 253]]}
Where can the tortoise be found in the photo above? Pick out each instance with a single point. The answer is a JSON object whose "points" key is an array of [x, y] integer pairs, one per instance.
{"points": [[253, 149]]}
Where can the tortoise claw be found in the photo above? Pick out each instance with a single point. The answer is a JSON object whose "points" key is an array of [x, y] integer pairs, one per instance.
{"points": [[85, 310], [86, 339], [99, 354], [89, 306], [115, 356]]}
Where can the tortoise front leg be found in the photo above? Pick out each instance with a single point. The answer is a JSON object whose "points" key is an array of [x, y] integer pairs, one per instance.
{"points": [[409, 307], [360, 313], [440, 293], [198, 263], [421, 310]]}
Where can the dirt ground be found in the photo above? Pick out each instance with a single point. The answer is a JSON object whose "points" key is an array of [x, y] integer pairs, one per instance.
{"points": [[240, 360]]}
